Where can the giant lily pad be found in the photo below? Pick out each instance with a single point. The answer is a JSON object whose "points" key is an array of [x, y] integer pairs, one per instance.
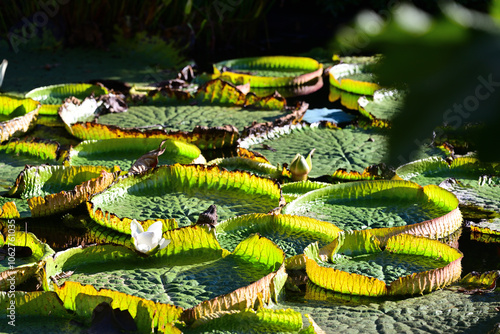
{"points": [[183, 273], [182, 192], [39, 311], [53, 96], [78, 121], [23, 253], [384, 106], [263, 169], [351, 149], [249, 321], [440, 311], [52, 189], [291, 233], [16, 154], [385, 207], [148, 315], [74, 307], [293, 190], [354, 78], [123, 152], [348, 100], [273, 71], [407, 265], [476, 185], [187, 117], [17, 116]]}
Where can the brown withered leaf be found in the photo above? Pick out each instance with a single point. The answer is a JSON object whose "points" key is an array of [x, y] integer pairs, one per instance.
{"points": [[148, 160], [113, 103], [208, 217]]}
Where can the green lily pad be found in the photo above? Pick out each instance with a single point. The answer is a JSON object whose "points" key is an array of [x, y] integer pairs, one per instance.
{"points": [[262, 169], [293, 190], [490, 226], [40, 311], [17, 116], [272, 71], [53, 96], [291, 233], [440, 311], [434, 170], [182, 192], [290, 91], [52, 189], [78, 122], [354, 78], [407, 265], [18, 265], [187, 117], [352, 149], [123, 152], [475, 184], [384, 207], [348, 100], [384, 106], [219, 92], [16, 154], [148, 315], [182, 274], [249, 321]]}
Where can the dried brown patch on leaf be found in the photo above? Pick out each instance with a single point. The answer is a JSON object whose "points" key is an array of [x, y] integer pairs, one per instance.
{"points": [[18, 126], [244, 153], [294, 117], [148, 160]]}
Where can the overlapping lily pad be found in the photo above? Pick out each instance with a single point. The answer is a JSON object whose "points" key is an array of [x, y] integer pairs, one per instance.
{"points": [[74, 308], [52, 189], [123, 152], [272, 71], [217, 105], [39, 311], [291, 233], [354, 78], [476, 185], [17, 116], [385, 207], [187, 117], [384, 106], [256, 167], [184, 273], [183, 193], [53, 96], [408, 265], [16, 154], [439, 311], [293, 190], [348, 100], [249, 321], [22, 258], [351, 149]]}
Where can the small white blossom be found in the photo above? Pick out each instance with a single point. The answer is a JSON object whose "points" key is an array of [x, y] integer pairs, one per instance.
{"points": [[148, 242]]}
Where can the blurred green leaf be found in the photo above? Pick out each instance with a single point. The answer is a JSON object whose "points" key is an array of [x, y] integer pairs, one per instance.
{"points": [[450, 68]]}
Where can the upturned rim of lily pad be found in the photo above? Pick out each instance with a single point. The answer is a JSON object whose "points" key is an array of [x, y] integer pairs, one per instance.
{"points": [[433, 228], [21, 124], [415, 283]]}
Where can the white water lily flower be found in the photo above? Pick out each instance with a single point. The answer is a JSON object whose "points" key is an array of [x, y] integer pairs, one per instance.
{"points": [[150, 241]]}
